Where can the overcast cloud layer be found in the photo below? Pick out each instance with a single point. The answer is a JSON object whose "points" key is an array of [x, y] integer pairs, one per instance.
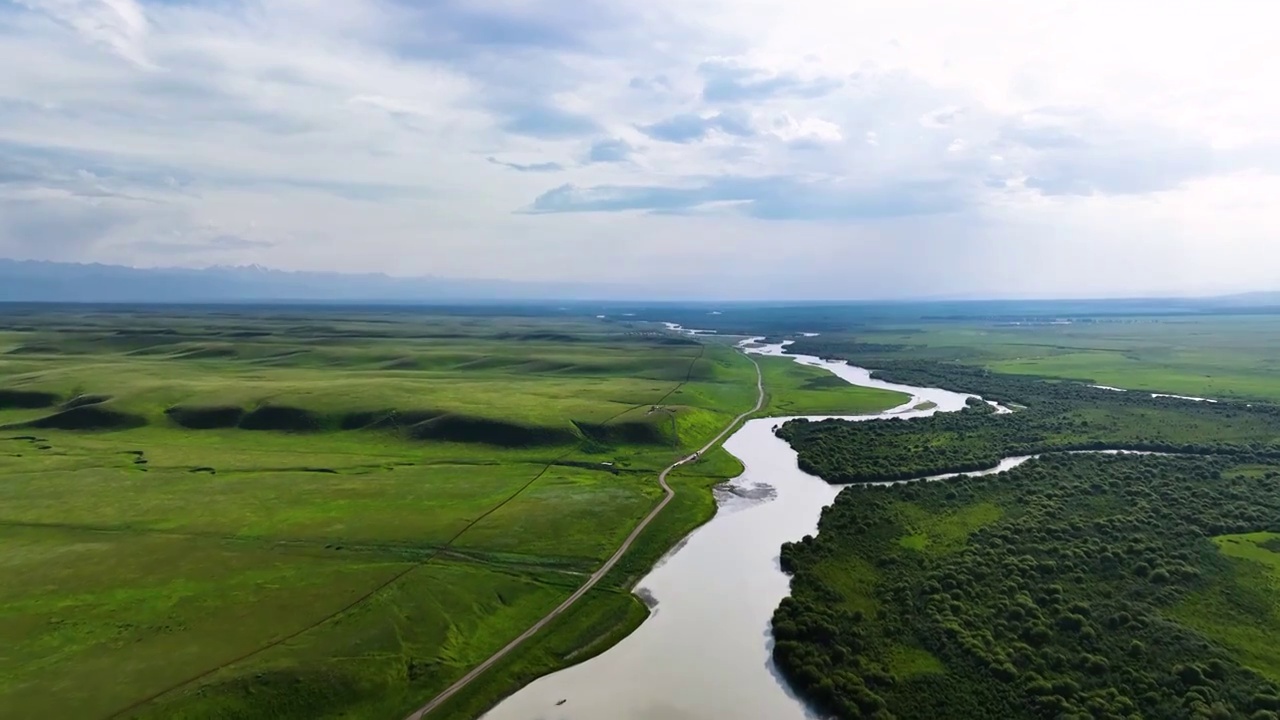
{"points": [[731, 148]]}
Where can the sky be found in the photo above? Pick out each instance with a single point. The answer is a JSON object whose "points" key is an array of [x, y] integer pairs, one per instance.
{"points": [[770, 149]]}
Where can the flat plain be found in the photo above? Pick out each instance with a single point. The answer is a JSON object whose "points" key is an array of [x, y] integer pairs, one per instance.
{"points": [[1216, 356]]}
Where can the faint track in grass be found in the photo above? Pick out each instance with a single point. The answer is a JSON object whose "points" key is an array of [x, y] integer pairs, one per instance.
{"points": [[437, 552], [598, 575]]}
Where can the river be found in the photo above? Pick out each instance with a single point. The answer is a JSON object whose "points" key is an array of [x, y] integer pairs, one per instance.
{"points": [[704, 653], [1193, 398]]}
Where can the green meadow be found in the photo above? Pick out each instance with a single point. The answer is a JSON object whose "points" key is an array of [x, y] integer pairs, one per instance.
{"points": [[796, 389], [1241, 608], [303, 513], [1218, 356]]}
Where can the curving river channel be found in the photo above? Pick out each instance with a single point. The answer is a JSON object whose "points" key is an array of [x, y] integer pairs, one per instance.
{"points": [[704, 653]]}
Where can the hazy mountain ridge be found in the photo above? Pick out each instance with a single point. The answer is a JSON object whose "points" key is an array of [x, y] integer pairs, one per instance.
{"points": [[44, 281], [48, 281]]}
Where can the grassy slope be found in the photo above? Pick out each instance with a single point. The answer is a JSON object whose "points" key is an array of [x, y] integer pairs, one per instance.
{"points": [[237, 546]]}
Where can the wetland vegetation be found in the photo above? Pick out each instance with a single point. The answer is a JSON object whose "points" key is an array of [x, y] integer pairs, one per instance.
{"points": [[1222, 355], [1074, 585], [1054, 417]]}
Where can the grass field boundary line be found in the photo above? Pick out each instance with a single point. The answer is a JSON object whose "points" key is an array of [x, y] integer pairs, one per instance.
{"points": [[382, 554], [604, 570], [437, 552], [515, 565], [285, 542]]}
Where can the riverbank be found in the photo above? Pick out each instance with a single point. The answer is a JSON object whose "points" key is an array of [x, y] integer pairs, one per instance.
{"points": [[564, 642], [712, 658], [1057, 417], [342, 509], [961, 599], [706, 643]]}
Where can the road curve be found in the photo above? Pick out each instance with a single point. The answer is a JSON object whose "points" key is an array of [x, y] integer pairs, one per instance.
{"points": [[598, 575]]}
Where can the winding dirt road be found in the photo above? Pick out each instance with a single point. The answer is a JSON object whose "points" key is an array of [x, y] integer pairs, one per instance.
{"points": [[595, 578]]}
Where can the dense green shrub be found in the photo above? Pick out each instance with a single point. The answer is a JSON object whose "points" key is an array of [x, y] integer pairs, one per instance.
{"points": [[1055, 604], [1056, 417]]}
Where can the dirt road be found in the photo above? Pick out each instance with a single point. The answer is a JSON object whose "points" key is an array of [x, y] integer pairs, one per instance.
{"points": [[595, 578]]}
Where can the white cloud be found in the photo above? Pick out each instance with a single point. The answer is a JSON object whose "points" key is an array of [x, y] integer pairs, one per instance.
{"points": [[120, 25], [805, 130], [386, 135]]}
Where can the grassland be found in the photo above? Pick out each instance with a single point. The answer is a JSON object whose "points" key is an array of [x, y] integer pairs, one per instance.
{"points": [[1220, 356], [1241, 608], [241, 513], [796, 389]]}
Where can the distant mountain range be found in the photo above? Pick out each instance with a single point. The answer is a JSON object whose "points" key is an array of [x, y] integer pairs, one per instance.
{"points": [[1249, 299], [40, 281]]}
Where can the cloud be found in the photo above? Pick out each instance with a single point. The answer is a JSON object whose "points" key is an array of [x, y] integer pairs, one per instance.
{"points": [[222, 243], [1068, 152], [806, 132], [234, 242], [691, 127], [119, 25], [541, 167], [1044, 131], [545, 121], [942, 117], [472, 25], [390, 105], [35, 169], [657, 83], [609, 150], [101, 174], [729, 81], [765, 198], [452, 28], [521, 54], [1012, 140], [56, 228]]}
